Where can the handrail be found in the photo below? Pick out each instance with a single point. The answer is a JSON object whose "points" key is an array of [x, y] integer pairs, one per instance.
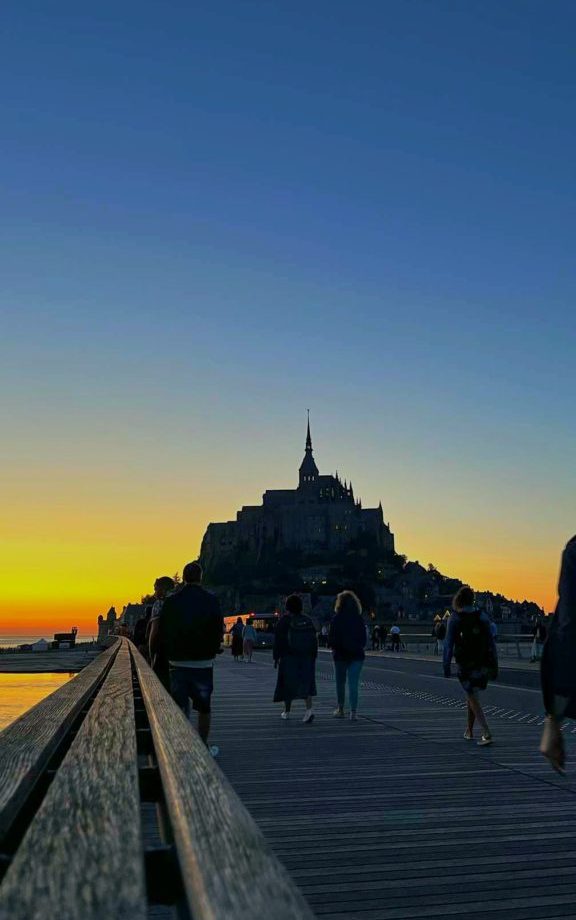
{"points": [[227, 868], [82, 855], [28, 744], [87, 760]]}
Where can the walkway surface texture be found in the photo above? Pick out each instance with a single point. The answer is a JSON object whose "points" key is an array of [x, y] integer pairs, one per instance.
{"points": [[396, 815]]}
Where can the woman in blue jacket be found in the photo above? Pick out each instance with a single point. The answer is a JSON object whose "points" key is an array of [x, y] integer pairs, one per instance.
{"points": [[347, 639], [470, 640]]}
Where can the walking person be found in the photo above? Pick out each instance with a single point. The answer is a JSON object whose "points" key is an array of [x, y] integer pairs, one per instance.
{"points": [[163, 586], [539, 634], [141, 631], [249, 638], [347, 639], [395, 638], [295, 653], [558, 670], [439, 635], [237, 643], [376, 638], [469, 639], [192, 628]]}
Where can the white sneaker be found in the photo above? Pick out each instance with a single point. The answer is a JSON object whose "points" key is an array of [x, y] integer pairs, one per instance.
{"points": [[338, 713], [308, 716], [214, 750], [485, 740], [353, 716], [284, 715], [468, 736]]}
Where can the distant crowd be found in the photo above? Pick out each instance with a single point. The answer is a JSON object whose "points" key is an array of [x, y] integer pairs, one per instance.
{"points": [[182, 634]]}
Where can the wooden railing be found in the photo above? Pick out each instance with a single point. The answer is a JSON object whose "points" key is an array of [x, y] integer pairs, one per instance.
{"points": [[110, 803]]}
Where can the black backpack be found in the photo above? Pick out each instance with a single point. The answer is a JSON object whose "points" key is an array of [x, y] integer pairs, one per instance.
{"points": [[302, 639], [473, 645]]}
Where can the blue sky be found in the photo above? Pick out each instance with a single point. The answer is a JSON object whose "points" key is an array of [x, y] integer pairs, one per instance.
{"points": [[213, 216]]}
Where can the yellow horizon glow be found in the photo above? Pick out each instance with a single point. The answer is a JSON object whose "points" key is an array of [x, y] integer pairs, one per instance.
{"points": [[71, 548], [73, 583]]}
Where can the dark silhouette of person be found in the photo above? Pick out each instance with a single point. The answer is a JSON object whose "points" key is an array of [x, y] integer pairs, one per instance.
{"points": [[558, 668], [295, 653], [192, 628], [237, 643], [163, 586]]}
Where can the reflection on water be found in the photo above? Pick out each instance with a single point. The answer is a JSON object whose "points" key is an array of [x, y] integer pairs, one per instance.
{"points": [[18, 692]]}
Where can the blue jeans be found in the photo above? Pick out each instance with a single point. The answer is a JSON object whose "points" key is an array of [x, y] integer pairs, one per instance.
{"points": [[350, 670]]}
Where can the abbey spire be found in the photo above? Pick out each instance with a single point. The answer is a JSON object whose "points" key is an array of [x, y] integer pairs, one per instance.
{"points": [[308, 469]]}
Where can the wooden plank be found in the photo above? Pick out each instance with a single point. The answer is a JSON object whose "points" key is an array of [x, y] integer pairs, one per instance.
{"points": [[82, 856], [27, 745], [370, 817], [227, 867]]}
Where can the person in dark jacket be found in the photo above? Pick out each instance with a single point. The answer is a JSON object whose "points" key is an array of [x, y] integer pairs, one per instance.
{"points": [[163, 586], [192, 628], [237, 643], [558, 668], [141, 631], [295, 653], [470, 639], [347, 639]]}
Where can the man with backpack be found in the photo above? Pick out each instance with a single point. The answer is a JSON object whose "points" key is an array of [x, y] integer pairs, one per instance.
{"points": [[295, 653], [470, 640], [192, 628]]}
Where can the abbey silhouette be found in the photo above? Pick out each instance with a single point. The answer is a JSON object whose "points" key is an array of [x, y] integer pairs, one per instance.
{"points": [[320, 518]]}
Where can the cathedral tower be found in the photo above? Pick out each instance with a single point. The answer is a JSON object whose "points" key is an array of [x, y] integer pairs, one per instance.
{"points": [[308, 469]]}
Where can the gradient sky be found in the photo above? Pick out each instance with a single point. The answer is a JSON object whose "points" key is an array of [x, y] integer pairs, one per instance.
{"points": [[215, 215]]}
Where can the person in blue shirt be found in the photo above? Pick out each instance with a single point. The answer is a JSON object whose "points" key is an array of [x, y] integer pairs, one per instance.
{"points": [[470, 641]]}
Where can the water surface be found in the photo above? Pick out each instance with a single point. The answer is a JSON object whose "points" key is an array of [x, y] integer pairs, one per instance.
{"points": [[18, 692]]}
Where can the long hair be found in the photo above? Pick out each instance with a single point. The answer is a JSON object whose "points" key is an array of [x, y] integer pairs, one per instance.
{"points": [[348, 602]]}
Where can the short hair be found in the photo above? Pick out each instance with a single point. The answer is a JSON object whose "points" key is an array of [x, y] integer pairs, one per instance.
{"points": [[294, 604], [463, 598], [164, 582], [348, 602], [192, 573]]}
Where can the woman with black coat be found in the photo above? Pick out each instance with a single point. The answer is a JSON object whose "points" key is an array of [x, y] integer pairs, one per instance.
{"points": [[295, 653]]}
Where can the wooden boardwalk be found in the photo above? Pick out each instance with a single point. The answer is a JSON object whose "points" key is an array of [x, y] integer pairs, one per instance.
{"points": [[396, 816]]}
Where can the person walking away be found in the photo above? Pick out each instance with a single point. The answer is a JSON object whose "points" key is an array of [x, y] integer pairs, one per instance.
{"points": [[395, 638], [469, 639], [558, 668], [347, 639], [163, 586], [192, 628], [539, 633], [440, 635], [383, 636], [324, 636], [376, 638], [141, 632], [295, 653], [237, 643], [249, 636]]}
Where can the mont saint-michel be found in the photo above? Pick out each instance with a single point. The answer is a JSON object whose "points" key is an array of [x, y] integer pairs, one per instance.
{"points": [[319, 518], [318, 538]]}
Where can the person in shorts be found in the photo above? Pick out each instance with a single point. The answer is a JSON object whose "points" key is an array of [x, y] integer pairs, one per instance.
{"points": [[470, 640], [192, 628]]}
